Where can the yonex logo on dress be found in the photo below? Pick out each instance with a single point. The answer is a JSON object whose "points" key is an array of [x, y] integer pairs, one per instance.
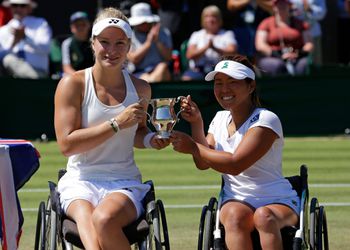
{"points": [[115, 21], [225, 66], [255, 118]]}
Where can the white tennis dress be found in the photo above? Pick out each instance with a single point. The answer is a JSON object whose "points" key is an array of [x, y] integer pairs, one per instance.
{"points": [[109, 167], [263, 182]]}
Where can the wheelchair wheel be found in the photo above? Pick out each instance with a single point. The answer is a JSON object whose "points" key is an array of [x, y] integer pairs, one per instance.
{"points": [[46, 233], [158, 228], [40, 234], [318, 226], [206, 226], [51, 227], [165, 242]]}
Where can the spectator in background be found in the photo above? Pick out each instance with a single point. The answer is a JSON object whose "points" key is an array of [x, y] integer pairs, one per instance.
{"points": [[151, 46], [25, 42], [76, 50], [284, 42], [247, 16], [5, 15], [312, 11], [207, 45]]}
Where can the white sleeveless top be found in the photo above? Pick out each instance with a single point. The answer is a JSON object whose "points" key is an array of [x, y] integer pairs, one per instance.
{"points": [[114, 158], [264, 178]]}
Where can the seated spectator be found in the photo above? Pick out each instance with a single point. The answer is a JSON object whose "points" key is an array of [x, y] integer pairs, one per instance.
{"points": [[151, 46], [5, 15], [25, 42], [206, 46], [246, 16], [312, 12], [284, 42], [76, 50]]}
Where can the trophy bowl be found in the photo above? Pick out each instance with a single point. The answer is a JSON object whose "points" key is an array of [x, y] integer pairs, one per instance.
{"points": [[164, 116]]}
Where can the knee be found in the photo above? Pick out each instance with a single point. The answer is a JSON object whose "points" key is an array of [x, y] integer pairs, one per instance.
{"points": [[237, 221], [264, 219], [102, 220]]}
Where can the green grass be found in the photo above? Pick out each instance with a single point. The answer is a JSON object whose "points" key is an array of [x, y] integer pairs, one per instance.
{"points": [[327, 158]]}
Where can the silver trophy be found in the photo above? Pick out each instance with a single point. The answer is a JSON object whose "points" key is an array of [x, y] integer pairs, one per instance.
{"points": [[164, 116]]}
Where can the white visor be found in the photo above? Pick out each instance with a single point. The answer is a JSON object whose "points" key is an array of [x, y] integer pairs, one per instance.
{"points": [[111, 22], [233, 69]]}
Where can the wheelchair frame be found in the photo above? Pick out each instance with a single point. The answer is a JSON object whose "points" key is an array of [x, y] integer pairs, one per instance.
{"points": [[310, 233], [54, 228]]}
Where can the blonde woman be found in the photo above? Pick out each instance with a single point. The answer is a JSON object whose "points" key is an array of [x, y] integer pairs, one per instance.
{"points": [[99, 118], [205, 46]]}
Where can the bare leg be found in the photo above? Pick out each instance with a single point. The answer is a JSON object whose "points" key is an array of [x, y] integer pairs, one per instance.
{"points": [[269, 220], [81, 212], [114, 212], [237, 219]]}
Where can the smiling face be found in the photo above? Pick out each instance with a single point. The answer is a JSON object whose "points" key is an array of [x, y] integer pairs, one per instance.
{"points": [[111, 47], [232, 93]]}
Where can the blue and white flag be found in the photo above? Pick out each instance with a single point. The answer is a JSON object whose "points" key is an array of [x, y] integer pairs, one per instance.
{"points": [[19, 160]]}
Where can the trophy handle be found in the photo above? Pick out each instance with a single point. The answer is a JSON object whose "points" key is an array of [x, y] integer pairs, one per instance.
{"points": [[179, 98]]}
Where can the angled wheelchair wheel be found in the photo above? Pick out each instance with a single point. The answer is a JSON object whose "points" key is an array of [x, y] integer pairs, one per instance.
{"points": [[40, 234], [165, 243], [318, 226], [158, 237], [46, 232], [51, 227], [206, 226], [201, 227]]}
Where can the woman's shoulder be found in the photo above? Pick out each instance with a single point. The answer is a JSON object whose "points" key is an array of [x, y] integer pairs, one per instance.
{"points": [[142, 87], [265, 114], [73, 81]]}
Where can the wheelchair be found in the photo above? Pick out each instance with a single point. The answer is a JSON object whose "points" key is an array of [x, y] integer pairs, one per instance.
{"points": [[54, 230], [310, 233]]}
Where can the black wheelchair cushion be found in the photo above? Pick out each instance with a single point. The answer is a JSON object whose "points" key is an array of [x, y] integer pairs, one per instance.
{"points": [[135, 232]]}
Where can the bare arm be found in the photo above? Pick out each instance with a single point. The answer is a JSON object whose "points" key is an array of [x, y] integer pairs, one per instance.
{"points": [[261, 43], [193, 52], [71, 137], [254, 145]]}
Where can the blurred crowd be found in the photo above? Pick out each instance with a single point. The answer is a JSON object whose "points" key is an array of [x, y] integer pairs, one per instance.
{"points": [[178, 39]]}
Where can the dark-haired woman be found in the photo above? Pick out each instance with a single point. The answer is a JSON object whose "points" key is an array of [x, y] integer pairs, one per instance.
{"points": [[244, 143]]}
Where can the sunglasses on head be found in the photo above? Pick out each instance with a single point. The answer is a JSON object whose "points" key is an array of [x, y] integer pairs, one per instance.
{"points": [[15, 5]]}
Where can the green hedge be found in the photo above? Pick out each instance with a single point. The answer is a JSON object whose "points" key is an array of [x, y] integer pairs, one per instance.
{"points": [[318, 104]]}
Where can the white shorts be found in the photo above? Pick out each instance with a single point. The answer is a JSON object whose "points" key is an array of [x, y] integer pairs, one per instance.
{"points": [[94, 191], [293, 201]]}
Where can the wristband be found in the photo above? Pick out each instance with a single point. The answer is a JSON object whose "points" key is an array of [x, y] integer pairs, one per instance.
{"points": [[147, 140], [114, 124]]}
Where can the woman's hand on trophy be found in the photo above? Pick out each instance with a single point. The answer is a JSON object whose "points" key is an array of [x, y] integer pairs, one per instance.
{"points": [[190, 111], [182, 142], [159, 143], [130, 116]]}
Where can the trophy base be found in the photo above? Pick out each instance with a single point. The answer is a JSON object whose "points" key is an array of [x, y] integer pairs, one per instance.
{"points": [[163, 135]]}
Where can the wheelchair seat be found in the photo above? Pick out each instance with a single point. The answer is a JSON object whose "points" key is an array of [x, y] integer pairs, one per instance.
{"points": [[54, 227], [310, 233]]}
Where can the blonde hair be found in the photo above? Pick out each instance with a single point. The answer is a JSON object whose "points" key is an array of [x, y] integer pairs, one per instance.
{"points": [[110, 12], [213, 10]]}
